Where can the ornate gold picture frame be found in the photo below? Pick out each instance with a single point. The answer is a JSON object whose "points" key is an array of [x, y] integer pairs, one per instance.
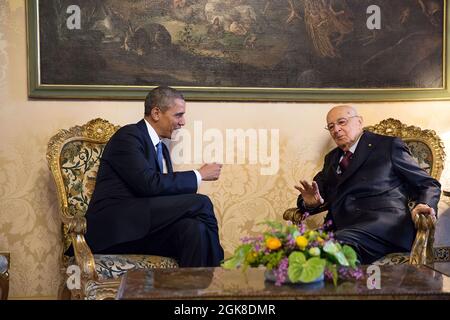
{"points": [[241, 50]]}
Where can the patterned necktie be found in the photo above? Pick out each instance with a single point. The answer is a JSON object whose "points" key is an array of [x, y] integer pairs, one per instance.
{"points": [[159, 154], [345, 162]]}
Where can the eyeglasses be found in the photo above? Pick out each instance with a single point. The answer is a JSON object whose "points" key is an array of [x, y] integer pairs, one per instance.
{"points": [[342, 122]]}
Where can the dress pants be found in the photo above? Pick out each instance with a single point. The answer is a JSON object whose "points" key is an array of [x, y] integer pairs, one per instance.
{"points": [[368, 247], [183, 227]]}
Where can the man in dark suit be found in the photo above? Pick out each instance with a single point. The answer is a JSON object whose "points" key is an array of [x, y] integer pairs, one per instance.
{"points": [[140, 205], [365, 184]]}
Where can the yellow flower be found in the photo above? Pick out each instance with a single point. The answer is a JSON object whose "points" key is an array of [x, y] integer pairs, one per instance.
{"points": [[302, 242], [273, 243], [320, 240], [251, 257]]}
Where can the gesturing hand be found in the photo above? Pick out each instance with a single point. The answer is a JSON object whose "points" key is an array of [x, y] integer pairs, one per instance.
{"points": [[310, 193], [210, 171]]}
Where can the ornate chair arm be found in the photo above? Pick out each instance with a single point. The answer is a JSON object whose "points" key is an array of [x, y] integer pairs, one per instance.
{"points": [[422, 249], [294, 215], [4, 275], [76, 228], [75, 224]]}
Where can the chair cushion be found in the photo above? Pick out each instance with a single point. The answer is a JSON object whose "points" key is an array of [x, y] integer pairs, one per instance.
{"points": [[393, 259], [113, 266]]}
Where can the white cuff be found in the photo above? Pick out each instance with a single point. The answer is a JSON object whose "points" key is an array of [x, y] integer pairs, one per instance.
{"points": [[199, 178]]}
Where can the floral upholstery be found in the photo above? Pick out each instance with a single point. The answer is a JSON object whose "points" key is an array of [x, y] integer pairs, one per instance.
{"points": [[393, 259], [113, 266], [422, 154], [79, 166]]}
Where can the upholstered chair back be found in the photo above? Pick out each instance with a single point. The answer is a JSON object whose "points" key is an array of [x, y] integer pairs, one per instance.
{"points": [[425, 145], [74, 156]]}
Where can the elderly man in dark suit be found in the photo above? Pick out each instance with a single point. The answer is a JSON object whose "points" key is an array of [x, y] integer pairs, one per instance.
{"points": [[140, 205], [365, 184]]}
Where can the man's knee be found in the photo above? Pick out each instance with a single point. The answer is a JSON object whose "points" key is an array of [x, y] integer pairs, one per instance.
{"points": [[191, 230], [202, 204], [204, 200]]}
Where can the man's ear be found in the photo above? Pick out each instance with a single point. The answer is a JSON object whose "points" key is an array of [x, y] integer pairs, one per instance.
{"points": [[361, 120], [155, 113]]}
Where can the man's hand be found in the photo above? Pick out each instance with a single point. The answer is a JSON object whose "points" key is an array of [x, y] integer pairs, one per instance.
{"points": [[210, 171], [310, 193], [424, 209]]}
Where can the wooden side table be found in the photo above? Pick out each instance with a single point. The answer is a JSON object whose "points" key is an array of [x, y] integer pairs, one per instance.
{"points": [[397, 282], [4, 275]]}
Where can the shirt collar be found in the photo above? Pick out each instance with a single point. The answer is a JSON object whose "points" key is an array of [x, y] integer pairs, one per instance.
{"points": [[153, 135], [353, 147]]}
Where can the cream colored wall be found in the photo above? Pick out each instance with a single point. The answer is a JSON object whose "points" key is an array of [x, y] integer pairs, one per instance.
{"points": [[29, 223]]}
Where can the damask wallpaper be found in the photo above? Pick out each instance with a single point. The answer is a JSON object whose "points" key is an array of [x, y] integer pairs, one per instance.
{"points": [[29, 218]]}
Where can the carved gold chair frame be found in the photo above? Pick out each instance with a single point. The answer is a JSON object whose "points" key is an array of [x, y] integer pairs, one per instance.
{"points": [[79, 144], [422, 250], [74, 225], [4, 275]]}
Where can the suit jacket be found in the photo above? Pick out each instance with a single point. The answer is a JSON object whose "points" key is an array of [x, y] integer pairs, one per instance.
{"points": [[128, 176], [373, 193]]}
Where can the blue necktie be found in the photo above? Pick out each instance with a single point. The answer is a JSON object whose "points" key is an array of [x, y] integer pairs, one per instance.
{"points": [[159, 154]]}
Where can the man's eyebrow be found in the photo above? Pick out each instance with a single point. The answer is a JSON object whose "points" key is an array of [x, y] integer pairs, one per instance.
{"points": [[337, 120]]}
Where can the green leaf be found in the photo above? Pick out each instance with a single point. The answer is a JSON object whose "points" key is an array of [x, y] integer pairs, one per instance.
{"points": [[295, 234], [274, 224], [238, 258], [297, 257], [302, 270], [341, 259], [332, 268], [292, 229], [330, 247], [312, 269], [295, 269], [272, 260], [351, 256], [334, 249]]}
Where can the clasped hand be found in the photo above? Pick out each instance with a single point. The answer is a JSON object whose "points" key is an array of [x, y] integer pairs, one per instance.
{"points": [[423, 209]]}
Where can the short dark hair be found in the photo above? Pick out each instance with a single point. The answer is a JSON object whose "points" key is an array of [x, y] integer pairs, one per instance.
{"points": [[161, 97]]}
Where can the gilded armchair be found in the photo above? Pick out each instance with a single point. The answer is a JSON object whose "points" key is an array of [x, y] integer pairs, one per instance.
{"points": [[4, 275], [428, 149], [73, 157]]}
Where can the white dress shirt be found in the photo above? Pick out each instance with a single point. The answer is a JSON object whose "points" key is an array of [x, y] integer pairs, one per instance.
{"points": [[155, 140]]}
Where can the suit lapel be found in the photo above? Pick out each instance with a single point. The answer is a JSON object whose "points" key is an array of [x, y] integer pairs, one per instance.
{"points": [[150, 148], [365, 146], [334, 161]]}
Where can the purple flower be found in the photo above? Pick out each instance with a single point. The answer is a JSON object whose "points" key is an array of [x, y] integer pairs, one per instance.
{"points": [[281, 272], [302, 228]]}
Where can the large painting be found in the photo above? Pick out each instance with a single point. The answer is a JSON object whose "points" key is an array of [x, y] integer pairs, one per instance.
{"points": [[260, 50]]}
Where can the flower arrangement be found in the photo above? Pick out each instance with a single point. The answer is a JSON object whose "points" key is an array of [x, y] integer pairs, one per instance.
{"points": [[297, 255]]}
